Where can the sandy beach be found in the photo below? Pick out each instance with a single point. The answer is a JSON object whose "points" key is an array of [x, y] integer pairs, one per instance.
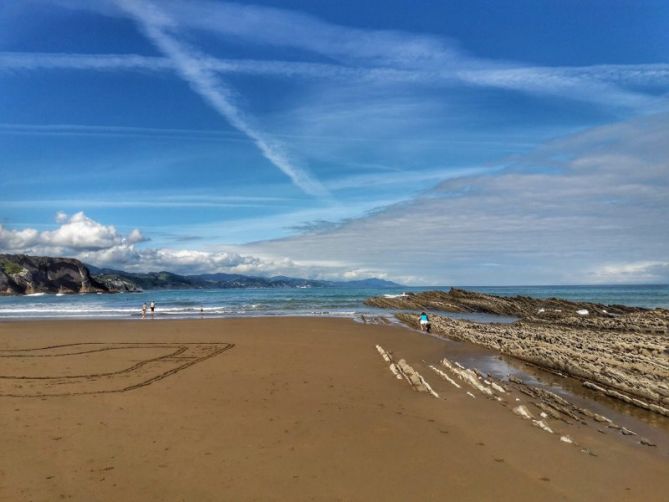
{"points": [[283, 409]]}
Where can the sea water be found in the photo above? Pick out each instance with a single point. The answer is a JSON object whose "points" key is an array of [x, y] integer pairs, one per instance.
{"points": [[335, 302]]}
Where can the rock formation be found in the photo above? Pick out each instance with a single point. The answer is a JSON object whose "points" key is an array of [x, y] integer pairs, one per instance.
{"points": [[622, 352], [630, 366], [23, 275], [460, 300], [403, 371]]}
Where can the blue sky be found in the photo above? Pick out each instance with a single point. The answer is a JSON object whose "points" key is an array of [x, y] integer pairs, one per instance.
{"points": [[478, 142]]}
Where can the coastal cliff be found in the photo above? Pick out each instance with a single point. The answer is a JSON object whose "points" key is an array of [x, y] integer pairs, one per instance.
{"points": [[24, 275]]}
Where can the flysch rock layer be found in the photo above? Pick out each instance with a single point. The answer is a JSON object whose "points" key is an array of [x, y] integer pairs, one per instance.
{"points": [[622, 352], [625, 367], [552, 311]]}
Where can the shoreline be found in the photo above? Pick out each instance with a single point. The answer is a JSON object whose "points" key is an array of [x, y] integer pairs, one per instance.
{"points": [[301, 407]]}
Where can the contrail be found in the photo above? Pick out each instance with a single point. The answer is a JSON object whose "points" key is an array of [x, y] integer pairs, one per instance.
{"points": [[604, 84], [193, 68]]}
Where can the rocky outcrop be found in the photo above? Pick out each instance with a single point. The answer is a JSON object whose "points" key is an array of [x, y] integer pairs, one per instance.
{"points": [[460, 300], [538, 311], [115, 283], [620, 351], [23, 275], [629, 365]]}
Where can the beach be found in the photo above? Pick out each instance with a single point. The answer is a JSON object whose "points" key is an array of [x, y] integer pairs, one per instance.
{"points": [[282, 408]]}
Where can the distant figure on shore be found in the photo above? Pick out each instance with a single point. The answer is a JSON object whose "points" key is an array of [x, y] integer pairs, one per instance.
{"points": [[144, 311], [424, 322], [153, 308]]}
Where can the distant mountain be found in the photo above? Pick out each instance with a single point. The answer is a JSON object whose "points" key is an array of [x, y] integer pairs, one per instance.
{"points": [[153, 280], [168, 280], [248, 281], [370, 283], [22, 274]]}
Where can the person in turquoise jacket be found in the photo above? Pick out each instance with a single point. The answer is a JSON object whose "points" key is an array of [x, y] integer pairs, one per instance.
{"points": [[424, 322]]}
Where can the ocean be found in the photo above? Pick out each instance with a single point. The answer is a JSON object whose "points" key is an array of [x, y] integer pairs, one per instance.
{"points": [[337, 302]]}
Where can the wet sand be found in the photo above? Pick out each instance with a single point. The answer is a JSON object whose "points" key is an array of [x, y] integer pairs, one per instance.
{"points": [[279, 408]]}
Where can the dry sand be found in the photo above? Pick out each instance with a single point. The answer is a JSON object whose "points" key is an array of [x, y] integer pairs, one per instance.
{"points": [[285, 409]]}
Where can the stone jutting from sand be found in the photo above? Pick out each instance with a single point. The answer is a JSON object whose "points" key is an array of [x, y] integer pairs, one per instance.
{"points": [[487, 386], [402, 370], [619, 351], [548, 404]]}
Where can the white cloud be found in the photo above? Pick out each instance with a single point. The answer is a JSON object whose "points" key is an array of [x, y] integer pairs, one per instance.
{"points": [[130, 258], [81, 232], [636, 272], [135, 236], [188, 261], [76, 233], [17, 239]]}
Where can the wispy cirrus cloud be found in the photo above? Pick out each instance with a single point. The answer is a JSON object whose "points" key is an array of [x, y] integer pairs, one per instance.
{"points": [[158, 26], [347, 53], [481, 73], [144, 201], [19, 61], [609, 85], [120, 131], [26, 61]]}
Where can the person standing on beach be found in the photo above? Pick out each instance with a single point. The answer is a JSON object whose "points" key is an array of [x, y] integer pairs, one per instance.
{"points": [[153, 308], [144, 311], [424, 322]]}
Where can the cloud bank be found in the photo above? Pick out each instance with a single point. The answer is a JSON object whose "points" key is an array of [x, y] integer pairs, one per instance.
{"points": [[639, 272], [81, 237], [588, 208]]}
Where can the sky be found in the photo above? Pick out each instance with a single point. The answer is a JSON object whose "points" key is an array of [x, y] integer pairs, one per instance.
{"points": [[485, 142]]}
